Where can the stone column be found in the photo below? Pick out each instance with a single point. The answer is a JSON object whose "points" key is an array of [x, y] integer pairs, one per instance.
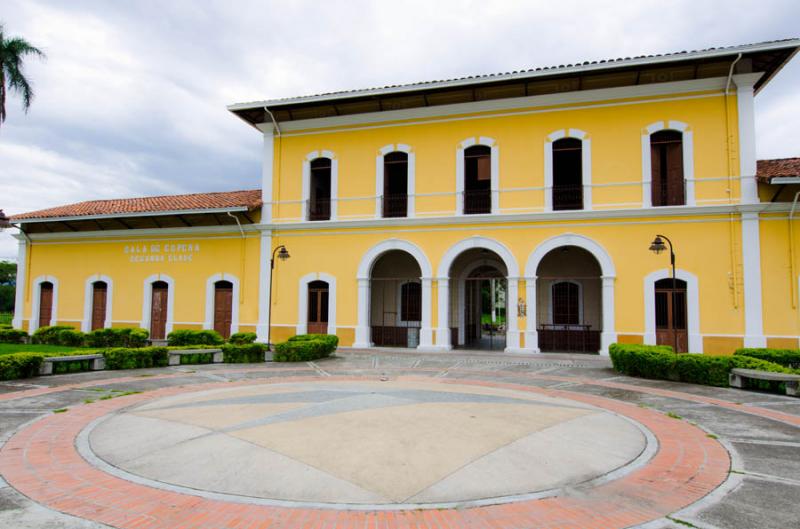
{"points": [[512, 318], [426, 332], [609, 333], [443, 317], [22, 281], [751, 268], [531, 336], [262, 330], [362, 329]]}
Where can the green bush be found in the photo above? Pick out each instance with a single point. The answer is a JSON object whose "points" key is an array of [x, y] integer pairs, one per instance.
{"points": [[197, 358], [124, 337], [49, 335], [659, 362], [134, 358], [243, 354], [190, 337], [784, 357], [19, 365], [306, 347], [242, 338], [70, 338], [13, 336]]}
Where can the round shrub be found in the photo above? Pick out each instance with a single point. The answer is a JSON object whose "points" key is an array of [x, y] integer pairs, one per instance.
{"points": [[48, 335], [13, 336], [242, 338], [70, 337], [190, 337]]}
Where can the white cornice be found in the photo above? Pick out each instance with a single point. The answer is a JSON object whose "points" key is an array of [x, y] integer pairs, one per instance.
{"points": [[571, 215], [516, 103]]}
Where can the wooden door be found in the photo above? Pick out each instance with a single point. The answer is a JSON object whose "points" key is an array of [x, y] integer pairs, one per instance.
{"points": [[99, 301], [671, 315], [318, 307], [223, 307], [45, 303], [158, 310]]}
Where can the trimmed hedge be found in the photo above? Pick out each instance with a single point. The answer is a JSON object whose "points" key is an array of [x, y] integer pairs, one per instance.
{"points": [[70, 337], [243, 354], [305, 347], [659, 362], [20, 365], [190, 337], [13, 336], [197, 358], [135, 358], [49, 335], [242, 338], [123, 337], [785, 357]]}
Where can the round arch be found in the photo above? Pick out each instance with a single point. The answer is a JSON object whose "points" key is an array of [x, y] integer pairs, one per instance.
{"points": [[37, 292], [443, 292], [306, 184], [608, 275], [586, 165], [494, 170], [369, 259], [302, 301], [379, 176], [688, 159], [148, 300]]}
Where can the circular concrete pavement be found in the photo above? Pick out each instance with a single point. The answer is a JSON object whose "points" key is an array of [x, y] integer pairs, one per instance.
{"points": [[368, 443]]}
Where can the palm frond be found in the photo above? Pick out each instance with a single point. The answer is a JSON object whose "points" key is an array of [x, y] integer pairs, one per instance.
{"points": [[18, 83], [19, 48]]}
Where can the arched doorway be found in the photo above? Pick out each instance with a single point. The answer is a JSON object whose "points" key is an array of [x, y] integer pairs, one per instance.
{"points": [[477, 312], [45, 304], [569, 309], [671, 314], [99, 305], [395, 287], [159, 309]]}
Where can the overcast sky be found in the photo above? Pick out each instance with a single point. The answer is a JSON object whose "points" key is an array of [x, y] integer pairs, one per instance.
{"points": [[131, 100]]}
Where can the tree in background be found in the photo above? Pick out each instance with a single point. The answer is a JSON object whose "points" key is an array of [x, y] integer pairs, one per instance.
{"points": [[8, 280], [12, 54]]}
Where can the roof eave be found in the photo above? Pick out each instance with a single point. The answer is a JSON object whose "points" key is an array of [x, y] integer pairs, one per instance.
{"points": [[76, 218]]}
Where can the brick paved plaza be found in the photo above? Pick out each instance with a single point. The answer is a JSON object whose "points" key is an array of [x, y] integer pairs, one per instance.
{"points": [[387, 439]]}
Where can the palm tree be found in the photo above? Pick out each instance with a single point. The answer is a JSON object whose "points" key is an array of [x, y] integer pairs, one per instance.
{"points": [[12, 53]]}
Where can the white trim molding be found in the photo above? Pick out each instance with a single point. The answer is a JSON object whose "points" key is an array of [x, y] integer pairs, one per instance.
{"points": [[608, 334], [692, 307], [302, 301], [747, 135], [88, 301], [148, 301], [751, 272], [267, 172], [33, 323], [208, 322], [586, 165], [410, 181], [494, 184], [443, 281], [264, 273], [363, 337], [688, 160], [310, 157], [21, 282]]}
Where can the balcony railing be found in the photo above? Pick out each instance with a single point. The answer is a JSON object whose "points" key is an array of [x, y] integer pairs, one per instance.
{"points": [[477, 202], [567, 197], [395, 205]]}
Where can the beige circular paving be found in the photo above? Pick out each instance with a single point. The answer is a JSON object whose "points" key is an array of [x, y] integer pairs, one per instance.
{"points": [[367, 443]]}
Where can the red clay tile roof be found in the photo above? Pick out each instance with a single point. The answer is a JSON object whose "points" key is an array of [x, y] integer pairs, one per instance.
{"points": [[250, 199], [768, 169]]}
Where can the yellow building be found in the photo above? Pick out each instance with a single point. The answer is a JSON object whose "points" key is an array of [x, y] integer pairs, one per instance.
{"points": [[510, 211]]}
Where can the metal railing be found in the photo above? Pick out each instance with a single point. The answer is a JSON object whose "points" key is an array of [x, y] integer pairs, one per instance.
{"points": [[478, 202], [567, 197], [394, 205]]}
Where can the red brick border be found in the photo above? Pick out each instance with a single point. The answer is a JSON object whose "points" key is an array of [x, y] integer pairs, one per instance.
{"points": [[41, 461]]}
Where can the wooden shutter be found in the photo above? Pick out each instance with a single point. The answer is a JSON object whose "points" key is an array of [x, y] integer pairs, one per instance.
{"points": [[674, 177], [484, 166], [656, 177]]}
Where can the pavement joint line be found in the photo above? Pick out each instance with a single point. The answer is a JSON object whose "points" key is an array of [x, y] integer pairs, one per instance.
{"points": [[769, 477], [318, 369], [763, 442]]}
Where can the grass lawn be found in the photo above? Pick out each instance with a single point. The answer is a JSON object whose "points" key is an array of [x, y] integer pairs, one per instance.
{"points": [[52, 350]]}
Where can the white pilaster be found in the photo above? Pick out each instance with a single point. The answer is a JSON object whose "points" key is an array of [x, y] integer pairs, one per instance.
{"points": [[22, 281], [609, 333], [512, 318], [747, 136], [362, 329], [751, 264], [443, 316], [426, 332], [267, 170], [531, 336], [262, 328]]}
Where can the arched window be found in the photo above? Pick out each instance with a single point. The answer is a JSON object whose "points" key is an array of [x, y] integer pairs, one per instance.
{"points": [[666, 161], [223, 307], [99, 305], [318, 307], [567, 174], [395, 184], [477, 180], [319, 200]]}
